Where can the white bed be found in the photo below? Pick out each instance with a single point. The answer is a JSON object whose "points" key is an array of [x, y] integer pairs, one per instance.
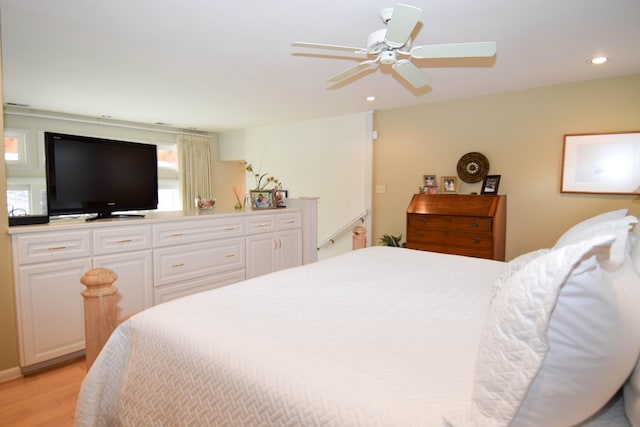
{"points": [[379, 336]]}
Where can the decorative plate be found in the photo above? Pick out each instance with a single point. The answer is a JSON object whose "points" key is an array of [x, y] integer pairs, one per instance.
{"points": [[473, 167]]}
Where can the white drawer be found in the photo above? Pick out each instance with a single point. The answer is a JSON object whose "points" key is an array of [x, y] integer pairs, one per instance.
{"points": [[121, 239], [53, 246], [196, 231], [289, 220], [261, 224], [171, 292], [175, 264]]}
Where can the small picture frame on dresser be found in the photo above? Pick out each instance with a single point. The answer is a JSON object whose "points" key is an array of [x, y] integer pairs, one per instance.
{"points": [[449, 184], [281, 198], [429, 181], [490, 184], [263, 199]]}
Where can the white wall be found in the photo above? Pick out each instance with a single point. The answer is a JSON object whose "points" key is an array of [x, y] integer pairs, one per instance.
{"points": [[329, 158]]}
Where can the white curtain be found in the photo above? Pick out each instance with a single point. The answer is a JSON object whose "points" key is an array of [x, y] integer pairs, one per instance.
{"points": [[196, 176]]}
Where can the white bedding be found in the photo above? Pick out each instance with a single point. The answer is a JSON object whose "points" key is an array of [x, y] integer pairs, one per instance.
{"points": [[379, 336]]}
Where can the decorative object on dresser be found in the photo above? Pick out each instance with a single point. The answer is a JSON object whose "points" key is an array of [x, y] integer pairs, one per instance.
{"points": [[470, 225], [281, 198], [473, 167], [263, 199], [449, 184], [490, 184]]}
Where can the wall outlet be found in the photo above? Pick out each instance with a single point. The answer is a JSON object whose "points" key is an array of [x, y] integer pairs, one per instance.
{"points": [[381, 189]]}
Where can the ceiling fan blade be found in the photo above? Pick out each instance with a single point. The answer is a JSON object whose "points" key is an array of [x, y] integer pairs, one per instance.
{"points": [[361, 66], [330, 47], [403, 20], [454, 50], [412, 74]]}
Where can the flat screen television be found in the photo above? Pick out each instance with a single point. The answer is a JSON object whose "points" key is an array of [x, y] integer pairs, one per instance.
{"points": [[99, 176]]}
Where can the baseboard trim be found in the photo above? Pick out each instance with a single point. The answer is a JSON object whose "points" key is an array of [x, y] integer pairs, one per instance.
{"points": [[10, 374]]}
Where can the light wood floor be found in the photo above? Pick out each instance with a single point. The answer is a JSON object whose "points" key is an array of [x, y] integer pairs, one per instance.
{"points": [[44, 399]]}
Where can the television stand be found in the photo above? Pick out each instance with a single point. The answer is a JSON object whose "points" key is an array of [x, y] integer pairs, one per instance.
{"points": [[102, 216]]}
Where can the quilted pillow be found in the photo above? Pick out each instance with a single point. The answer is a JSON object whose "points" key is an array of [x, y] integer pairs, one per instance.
{"points": [[513, 266], [617, 227], [561, 338], [589, 222]]}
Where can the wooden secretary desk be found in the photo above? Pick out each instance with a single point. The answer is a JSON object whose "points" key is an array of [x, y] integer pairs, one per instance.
{"points": [[471, 225]]}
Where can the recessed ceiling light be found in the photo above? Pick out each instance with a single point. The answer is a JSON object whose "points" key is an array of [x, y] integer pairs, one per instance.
{"points": [[370, 98], [599, 60]]}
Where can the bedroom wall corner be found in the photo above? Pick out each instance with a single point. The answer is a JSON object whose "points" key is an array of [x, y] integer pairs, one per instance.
{"points": [[521, 133]]}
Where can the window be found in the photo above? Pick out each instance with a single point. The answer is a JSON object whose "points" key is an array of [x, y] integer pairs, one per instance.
{"points": [[15, 147], [169, 198]]}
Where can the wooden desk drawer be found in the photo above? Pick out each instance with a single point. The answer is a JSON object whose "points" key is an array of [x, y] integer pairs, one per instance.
{"points": [[450, 222], [452, 238], [454, 250]]}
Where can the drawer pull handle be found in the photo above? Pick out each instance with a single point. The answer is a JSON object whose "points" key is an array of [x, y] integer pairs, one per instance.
{"points": [[178, 265], [473, 224], [291, 221], [229, 255], [475, 240], [125, 241], [420, 234], [229, 229], [264, 224], [57, 248], [176, 235]]}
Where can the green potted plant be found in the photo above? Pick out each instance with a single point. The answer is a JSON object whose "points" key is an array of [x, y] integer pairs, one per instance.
{"points": [[395, 241]]}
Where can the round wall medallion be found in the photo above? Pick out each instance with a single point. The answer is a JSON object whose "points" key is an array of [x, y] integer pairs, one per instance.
{"points": [[473, 167]]}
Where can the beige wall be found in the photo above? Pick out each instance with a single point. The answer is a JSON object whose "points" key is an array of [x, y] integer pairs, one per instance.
{"points": [[521, 133], [8, 337]]}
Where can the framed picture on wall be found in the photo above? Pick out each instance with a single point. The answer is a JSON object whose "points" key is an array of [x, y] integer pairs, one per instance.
{"points": [[490, 184], [449, 184], [601, 163]]}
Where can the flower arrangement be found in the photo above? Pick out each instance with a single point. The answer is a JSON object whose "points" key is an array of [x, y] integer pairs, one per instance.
{"points": [[262, 180]]}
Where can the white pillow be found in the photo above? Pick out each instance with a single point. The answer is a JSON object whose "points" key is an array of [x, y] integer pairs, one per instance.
{"points": [[514, 266], [617, 227], [603, 217], [560, 340], [635, 250]]}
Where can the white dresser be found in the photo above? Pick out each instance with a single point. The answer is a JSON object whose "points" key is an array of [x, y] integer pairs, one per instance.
{"points": [[157, 259]]}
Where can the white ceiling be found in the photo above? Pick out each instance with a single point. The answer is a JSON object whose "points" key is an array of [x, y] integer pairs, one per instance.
{"points": [[218, 66]]}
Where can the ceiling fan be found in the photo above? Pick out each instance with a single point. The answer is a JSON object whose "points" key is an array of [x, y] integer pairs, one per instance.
{"points": [[391, 46]]}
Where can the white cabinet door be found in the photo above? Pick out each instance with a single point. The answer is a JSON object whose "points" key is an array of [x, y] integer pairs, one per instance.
{"points": [[289, 249], [50, 309], [271, 252], [134, 282], [261, 254]]}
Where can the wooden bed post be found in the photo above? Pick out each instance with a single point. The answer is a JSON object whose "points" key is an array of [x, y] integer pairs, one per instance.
{"points": [[359, 237], [100, 313]]}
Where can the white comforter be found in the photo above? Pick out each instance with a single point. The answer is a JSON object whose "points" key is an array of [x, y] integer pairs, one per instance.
{"points": [[381, 336]]}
